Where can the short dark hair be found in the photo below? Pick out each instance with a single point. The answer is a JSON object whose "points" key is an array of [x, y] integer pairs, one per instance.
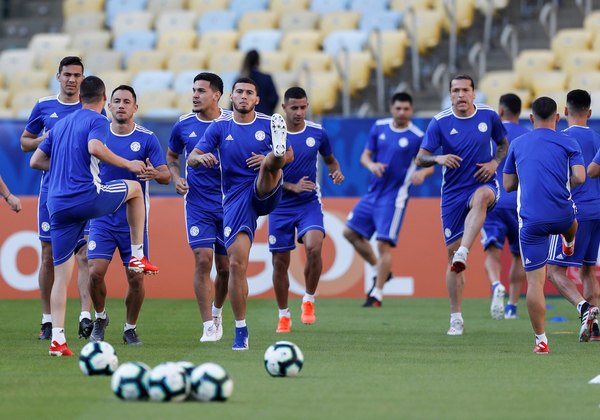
{"points": [[245, 80], [401, 97], [215, 82], [127, 88], [512, 103], [544, 108], [294, 92], [92, 90], [462, 77], [579, 101], [70, 61]]}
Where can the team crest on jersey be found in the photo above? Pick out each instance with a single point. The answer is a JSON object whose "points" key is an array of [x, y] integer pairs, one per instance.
{"points": [[381, 136], [227, 231], [194, 231], [272, 239], [310, 142], [91, 245], [403, 142], [259, 135], [135, 146], [482, 127], [447, 232], [45, 226]]}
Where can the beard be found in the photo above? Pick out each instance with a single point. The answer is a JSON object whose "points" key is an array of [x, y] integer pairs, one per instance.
{"points": [[243, 110]]}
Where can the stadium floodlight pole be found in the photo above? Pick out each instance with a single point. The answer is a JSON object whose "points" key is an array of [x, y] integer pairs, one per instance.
{"points": [[345, 72], [309, 85], [414, 50], [380, 80], [451, 7]]}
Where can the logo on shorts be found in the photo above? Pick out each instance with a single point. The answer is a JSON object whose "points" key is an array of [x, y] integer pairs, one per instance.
{"points": [[527, 261], [91, 245], [272, 239], [350, 215], [135, 146], [403, 142], [447, 232], [560, 257], [310, 142], [259, 135], [194, 231], [227, 231], [45, 226], [482, 127]]}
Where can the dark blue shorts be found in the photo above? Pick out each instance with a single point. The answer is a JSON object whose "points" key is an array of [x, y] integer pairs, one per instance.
{"points": [[284, 222], [204, 228], [535, 242], [500, 225], [103, 242], [367, 218], [587, 241]]}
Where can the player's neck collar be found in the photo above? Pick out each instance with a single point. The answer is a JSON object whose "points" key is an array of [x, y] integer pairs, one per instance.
{"points": [[468, 116], [244, 123]]}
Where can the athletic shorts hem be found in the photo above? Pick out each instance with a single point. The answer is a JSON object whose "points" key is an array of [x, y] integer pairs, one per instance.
{"points": [[564, 263], [282, 248], [309, 228], [355, 229], [232, 237]]}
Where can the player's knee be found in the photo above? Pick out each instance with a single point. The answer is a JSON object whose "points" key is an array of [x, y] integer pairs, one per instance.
{"points": [[313, 254], [135, 281], [349, 234], [280, 265], [96, 275], [203, 259]]}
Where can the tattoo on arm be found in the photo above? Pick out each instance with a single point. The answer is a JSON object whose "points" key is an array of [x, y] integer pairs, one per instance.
{"points": [[501, 150]]}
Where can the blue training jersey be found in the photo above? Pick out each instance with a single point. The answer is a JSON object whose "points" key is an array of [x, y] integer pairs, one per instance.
{"points": [[47, 112], [587, 195], [469, 138], [396, 148], [204, 183], [140, 144], [508, 200], [542, 160], [73, 171], [235, 143], [306, 145]]}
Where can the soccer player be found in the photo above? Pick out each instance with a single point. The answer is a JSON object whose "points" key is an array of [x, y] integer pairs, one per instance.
{"points": [[544, 202], [469, 189], [300, 208], [109, 232], [587, 201], [13, 202], [251, 150], [502, 224], [75, 194], [389, 155], [201, 188], [46, 112]]}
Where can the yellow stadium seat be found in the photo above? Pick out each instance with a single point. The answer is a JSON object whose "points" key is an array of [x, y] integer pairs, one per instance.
{"points": [[567, 41], [299, 21], [257, 20], [288, 6], [92, 40], [493, 99], [45, 42], [114, 78], [559, 96], [146, 60], [592, 22], [71, 7], [29, 79], [548, 81], [213, 42], [15, 61], [314, 60], [359, 66], [103, 60], [7, 113], [170, 42], [4, 96], [23, 102], [153, 100], [581, 62], [530, 62], [394, 45], [285, 80], [160, 6], [175, 20], [274, 61], [186, 60], [224, 61], [429, 28], [83, 22], [299, 41], [585, 80], [321, 88], [132, 21], [465, 13], [338, 21], [183, 102], [49, 60], [404, 5], [201, 6]]}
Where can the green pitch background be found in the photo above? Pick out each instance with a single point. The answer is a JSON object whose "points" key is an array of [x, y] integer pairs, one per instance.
{"points": [[392, 362]]}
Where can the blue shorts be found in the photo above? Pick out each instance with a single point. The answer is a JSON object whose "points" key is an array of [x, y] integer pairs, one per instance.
{"points": [[535, 242], [204, 228], [44, 219], [283, 223], [455, 213], [102, 243], [367, 218], [68, 225], [501, 224], [587, 241], [241, 211]]}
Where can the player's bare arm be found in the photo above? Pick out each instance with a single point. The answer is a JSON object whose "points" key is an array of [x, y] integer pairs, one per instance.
{"points": [[593, 170], [13, 202], [486, 170], [304, 185], [426, 159], [376, 168], [40, 160], [30, 142], [181, 186], [255, 160], [510, 182], [419, 177], [103, 153], [577, 175], [333, 167], [198, 157], [161, 174]]}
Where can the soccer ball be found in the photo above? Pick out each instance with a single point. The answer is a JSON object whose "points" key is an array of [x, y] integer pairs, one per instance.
{"points": [[210, 382], [130, 381], [283, 358], [168, 382], [188, 367], [98, 359]]}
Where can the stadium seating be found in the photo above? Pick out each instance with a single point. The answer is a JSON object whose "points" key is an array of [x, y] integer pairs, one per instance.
{"points": [[147, 80], [262, 40], [28, 79], [338, 21], [384, 21], [102, 60], [115, 7], [48, 60], [157, 7], [288, 6], [201, 6], [173, 41], [175, 20], [548, 81], [314, 60], [114, 78], [212, 42], [184, 80], [15, 61], [72, 7], [298, 41], [217, 20], [244, 6], [393, 49], [23, 103], [585, 80], [129, 42], [531, 62], [222, 61], [367, 7], [45, 42], [186, 60], [567, 41], [580, 62], [157, 103], [428, 28], [80, 23], [257, 20], [92, 40], [132, 21], [496, 83], [592, 23], [358, 66], [352, 41], [299, 21], [274, 61], [146, 60], [404, 5], [464, 12], [321, 88], [326, 6]]}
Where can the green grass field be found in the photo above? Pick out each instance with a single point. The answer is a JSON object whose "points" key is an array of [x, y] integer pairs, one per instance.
{"points": [[393, 362]]}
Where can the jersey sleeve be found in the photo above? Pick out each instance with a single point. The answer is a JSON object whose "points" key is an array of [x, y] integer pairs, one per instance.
{"points": [[509, 163], [498, 129], [176, 144], [99, 129], [372, 139], [325, 148], [46, 145], [574, 152], [155, 152], [35, 123], [210, 140], [432, 139]]}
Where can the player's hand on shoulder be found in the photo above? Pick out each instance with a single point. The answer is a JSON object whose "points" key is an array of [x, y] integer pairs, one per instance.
{"points": [[449, 161], [255, 160], [337, 177]]}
